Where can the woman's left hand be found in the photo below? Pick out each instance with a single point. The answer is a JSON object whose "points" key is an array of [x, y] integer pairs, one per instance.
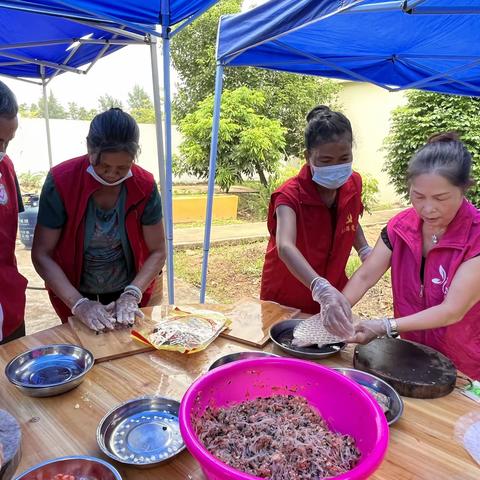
{"points": [[126, 309], [368, 330]]}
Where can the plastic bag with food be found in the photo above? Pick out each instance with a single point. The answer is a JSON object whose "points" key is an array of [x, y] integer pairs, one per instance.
{"points": [[467, 433], [183, 329]]}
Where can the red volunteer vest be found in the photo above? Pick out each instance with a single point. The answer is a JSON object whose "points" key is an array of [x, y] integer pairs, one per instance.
{"points": [[12, 284], [326, 250], [75, 187]]}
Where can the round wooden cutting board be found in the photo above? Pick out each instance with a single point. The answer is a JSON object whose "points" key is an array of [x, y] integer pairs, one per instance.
{"points": [[414, 370]]}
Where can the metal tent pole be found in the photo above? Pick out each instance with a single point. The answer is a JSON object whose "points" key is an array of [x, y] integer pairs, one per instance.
{"points": [[47, 118], [211, 177], [159, 134], [168, 161]]}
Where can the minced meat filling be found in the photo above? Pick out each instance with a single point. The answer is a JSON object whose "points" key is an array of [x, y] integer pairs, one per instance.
{"points": [[277, 437]]}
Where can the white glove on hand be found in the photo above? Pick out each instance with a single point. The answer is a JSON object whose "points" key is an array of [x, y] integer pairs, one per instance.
{"points": [[94, 315], [126, 308], [334, 308], [364, 252], [368, 330]]}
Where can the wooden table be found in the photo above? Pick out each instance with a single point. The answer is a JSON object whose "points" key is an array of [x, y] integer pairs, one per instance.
{"points": [[421, 442]]}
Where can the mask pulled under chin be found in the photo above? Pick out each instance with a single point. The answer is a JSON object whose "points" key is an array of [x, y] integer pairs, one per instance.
{"points": [[332, 176], [99, 179]]}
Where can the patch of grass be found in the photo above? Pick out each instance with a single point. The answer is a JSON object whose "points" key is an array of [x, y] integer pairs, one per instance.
{"points": [[234, 271], [353, 264]]}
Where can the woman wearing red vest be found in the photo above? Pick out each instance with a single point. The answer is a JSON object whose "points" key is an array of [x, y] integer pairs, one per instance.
{"points": [[99, 242], [433, 250], [313, 222], [12, 284]]}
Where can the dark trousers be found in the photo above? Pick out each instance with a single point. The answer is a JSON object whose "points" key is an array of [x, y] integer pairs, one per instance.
{"points": [[18, 333], [103, 298]]}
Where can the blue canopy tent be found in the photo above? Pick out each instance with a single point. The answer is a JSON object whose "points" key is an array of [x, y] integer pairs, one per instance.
{"points": [[425, 44], [41, 38]]}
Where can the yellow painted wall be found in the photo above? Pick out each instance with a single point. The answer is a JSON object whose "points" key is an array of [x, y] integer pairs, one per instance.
{"points": [[369, 107], [192, 208]]}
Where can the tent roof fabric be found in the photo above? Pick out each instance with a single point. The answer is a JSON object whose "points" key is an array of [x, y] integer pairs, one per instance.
{"points": [[45, 33], [24, 61], [428, 44], [141, 12]]}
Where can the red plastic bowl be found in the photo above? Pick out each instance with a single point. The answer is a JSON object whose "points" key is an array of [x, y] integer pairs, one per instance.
{"points": [[345, 405]]}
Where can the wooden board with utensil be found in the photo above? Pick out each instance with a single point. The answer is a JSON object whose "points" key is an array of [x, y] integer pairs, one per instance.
{"points": [[414, 370], [109, 345], [251, 319]]}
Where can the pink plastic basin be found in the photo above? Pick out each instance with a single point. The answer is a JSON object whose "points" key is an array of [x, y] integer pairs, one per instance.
{"points": [[345, 405]]}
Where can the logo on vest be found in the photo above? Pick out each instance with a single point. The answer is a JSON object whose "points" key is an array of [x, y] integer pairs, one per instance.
{"points": [[3, 195], [349, 225], [442, 280]]}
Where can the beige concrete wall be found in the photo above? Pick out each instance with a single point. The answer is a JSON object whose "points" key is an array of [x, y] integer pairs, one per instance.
{"points": [[369, 107]]}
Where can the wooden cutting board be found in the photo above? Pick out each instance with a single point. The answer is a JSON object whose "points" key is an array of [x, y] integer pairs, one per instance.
{"points": [[109, 345], [414, 370]]}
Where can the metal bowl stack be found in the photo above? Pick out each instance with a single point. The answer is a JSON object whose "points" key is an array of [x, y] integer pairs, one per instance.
{"points": [[49, 370]]}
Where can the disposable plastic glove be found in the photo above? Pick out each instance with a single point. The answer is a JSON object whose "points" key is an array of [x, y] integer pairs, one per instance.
{"points": [[368, 330], [364, 252], [126, 309], [334, 308], [95, 315]]}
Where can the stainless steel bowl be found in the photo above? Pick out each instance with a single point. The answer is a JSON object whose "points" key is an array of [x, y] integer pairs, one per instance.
{"points": [[233, 357], [142, 432], [282, 335], [81, 467], [395, 407], [49, 370]]}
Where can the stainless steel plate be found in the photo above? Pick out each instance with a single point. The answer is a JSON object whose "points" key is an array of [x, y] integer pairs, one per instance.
{"points": [[50, 369], [233, 357], [82, 467], [395, 407], [282, 335], [142, 432]]}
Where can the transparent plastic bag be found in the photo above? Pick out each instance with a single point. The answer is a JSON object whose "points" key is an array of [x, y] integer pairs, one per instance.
{"points": [[183, 329], [467, 433]]}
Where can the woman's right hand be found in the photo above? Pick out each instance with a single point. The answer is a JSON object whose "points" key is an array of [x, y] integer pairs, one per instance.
{"points": [[334, 308], [94, 315]]}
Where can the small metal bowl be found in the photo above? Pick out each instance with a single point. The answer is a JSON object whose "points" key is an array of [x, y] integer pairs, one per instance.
{"points": [[365, 379], [233, 357], [81, 467], [142, 432], [282, 335], [49, 370]]}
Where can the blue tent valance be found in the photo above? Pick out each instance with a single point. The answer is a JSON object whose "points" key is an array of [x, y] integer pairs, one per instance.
{"points": [[429, 44]]}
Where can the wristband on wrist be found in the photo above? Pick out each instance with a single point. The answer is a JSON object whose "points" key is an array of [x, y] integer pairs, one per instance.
{"points": [[135, 291], [78, 303], [312, 283]]}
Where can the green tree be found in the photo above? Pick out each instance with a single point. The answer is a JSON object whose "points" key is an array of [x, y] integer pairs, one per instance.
{"points": [[288, 97], [75, 112], [55, 108], [248, 144], [424, 114], [140, 105], [31, 111], [105, 102]]}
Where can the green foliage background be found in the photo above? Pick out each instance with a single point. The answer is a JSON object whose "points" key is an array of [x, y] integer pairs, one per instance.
{"points": [[424, 114]]}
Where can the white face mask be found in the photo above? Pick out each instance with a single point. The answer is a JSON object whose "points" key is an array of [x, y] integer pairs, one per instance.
{"points": [[2, 154], [332, 176], [99, 179]]}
